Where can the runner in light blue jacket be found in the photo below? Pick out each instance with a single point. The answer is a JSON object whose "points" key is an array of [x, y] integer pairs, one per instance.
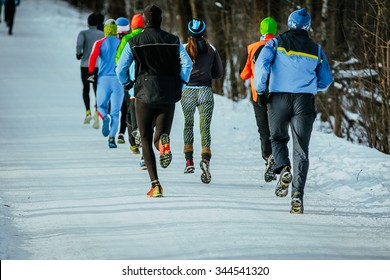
{"points": [[108, 88], [297, 68]]}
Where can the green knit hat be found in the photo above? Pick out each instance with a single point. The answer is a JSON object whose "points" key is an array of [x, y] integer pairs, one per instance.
{"points": [[268, 26], [110, 27]]}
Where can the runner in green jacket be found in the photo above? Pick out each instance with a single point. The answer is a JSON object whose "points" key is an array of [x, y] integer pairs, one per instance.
{"points": [[137, 26]]}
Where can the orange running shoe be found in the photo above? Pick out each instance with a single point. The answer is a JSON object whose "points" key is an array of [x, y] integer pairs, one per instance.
{"points": [[155, 191], [165, 150]]}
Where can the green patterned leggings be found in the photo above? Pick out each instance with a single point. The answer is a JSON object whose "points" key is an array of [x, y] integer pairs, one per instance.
{"points": [[203, 99]]}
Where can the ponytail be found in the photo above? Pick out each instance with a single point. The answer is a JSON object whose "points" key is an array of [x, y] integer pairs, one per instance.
{"points": [[195, 46]]}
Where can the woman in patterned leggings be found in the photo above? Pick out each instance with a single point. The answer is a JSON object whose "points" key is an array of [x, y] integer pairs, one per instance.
{"points": [[207, 65]]}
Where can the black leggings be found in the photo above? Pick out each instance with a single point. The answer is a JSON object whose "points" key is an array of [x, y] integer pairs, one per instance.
{"points": [[146, 113], [123, 124], [128, 118], [86, 88], [9, 15], [261, 115]]}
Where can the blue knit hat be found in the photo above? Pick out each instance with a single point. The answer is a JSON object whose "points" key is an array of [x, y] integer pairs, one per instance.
{"points": [[299, 19], [123, 25], [196, 27]]}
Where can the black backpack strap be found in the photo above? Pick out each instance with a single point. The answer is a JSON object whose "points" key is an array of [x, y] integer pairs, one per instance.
{"points": [[257, 53]]}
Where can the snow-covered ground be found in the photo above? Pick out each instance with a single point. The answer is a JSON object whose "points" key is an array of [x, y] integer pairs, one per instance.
{"points": [[64, 195]]}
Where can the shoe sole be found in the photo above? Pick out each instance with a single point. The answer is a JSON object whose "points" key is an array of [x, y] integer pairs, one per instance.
{"points": [[206, 175], [155, 195], [283, 183], [189, 169], [296, 207], [121, 141], [165, 159], [112, 146], [106, 124], [269, 177]]}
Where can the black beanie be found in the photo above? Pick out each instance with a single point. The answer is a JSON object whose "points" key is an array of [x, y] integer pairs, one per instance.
{"points": [[152, 15], [92, 20]]}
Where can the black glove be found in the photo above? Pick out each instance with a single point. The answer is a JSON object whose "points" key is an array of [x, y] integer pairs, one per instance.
{"points": [[262, 99], [128, 86], [91, 78], [79, 56]]}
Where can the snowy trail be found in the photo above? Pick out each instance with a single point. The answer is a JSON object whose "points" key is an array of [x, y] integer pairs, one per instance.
{"points": [[65, 195]]}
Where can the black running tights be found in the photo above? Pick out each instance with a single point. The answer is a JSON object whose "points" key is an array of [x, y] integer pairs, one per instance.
{"points": [[86, 87], [145, 114]]}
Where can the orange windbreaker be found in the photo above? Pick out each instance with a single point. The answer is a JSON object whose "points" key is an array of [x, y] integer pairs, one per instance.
{"points": [[249, 68]]}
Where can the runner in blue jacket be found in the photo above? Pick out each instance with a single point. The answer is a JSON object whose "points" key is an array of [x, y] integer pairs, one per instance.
{"points": [[108, 88], [297, 68]]}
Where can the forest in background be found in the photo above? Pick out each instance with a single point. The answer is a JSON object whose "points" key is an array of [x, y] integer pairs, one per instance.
{"points": [[353, 33]]}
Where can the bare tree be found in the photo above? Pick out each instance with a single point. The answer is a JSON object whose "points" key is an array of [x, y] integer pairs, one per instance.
{"points": [[116, 8]]}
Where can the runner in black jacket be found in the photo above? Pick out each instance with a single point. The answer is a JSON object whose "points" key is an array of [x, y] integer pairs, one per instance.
{"points": [[162, 68]]}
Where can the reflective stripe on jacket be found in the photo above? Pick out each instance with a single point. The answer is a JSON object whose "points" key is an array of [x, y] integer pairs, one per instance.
{"points": [[298, 65]]}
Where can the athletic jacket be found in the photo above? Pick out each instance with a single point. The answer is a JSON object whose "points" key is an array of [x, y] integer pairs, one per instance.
{"points": [[161, 66], [105, 49], [298, 65], [207, 66], [125, 40], [119, 51], [248, 71], [85, 41]]}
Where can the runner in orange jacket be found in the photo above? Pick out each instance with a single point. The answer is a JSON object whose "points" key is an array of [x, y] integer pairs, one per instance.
{"points": [[268, 27]]}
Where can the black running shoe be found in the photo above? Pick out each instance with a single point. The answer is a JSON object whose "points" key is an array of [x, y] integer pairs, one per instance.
{"points": [[269, 174], [121, 139]]}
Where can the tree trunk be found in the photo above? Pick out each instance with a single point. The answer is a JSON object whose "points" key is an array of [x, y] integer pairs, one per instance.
{"points": [[324, 23], [116, 8], [183, 11]]}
